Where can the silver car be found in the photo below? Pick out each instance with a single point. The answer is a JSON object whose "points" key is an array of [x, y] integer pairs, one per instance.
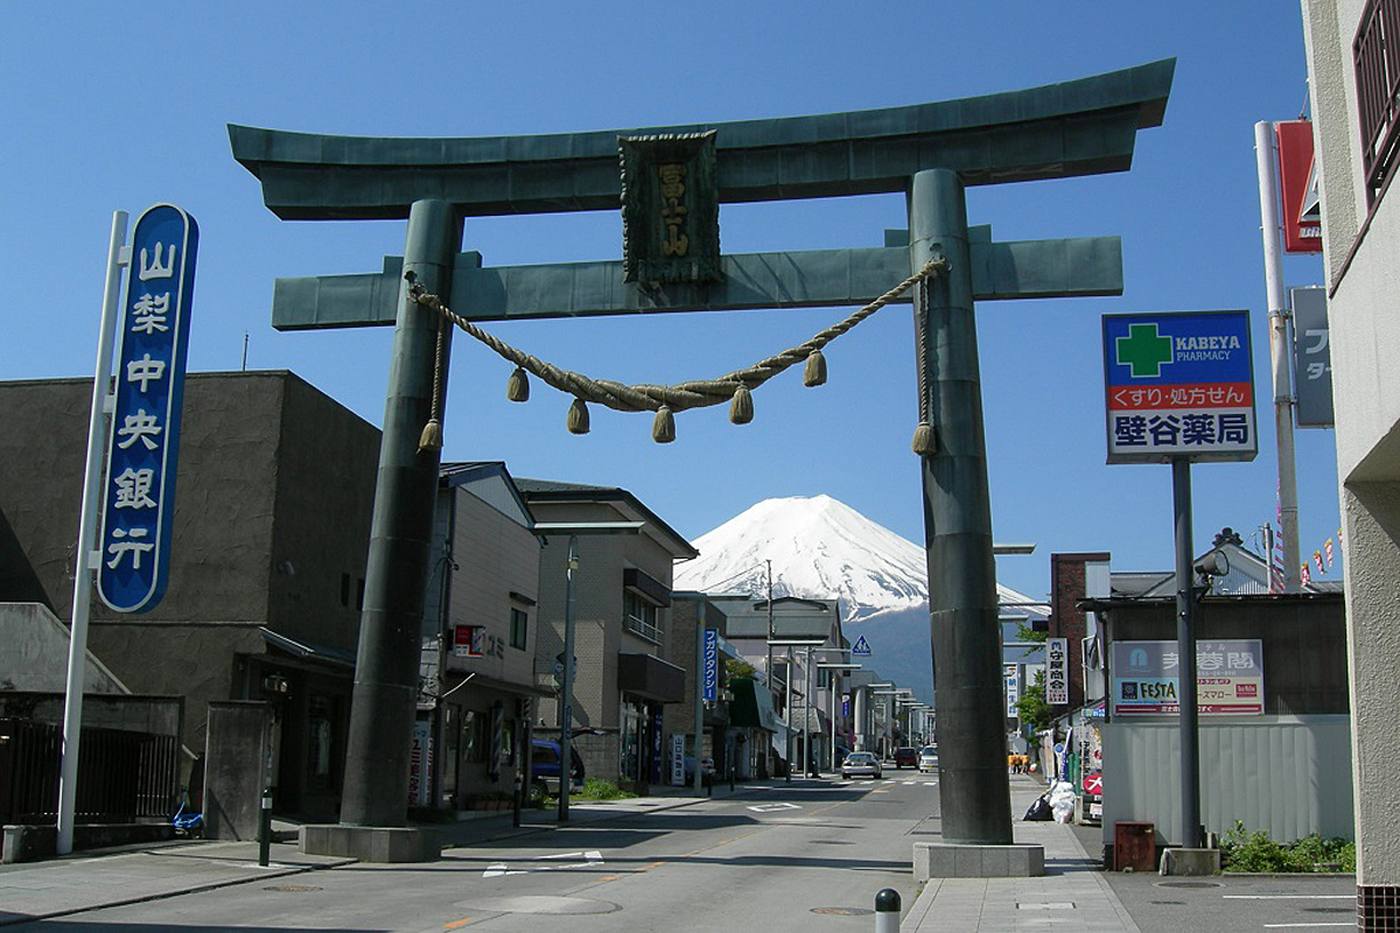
{"points": [[861, 764], [928, 758]]}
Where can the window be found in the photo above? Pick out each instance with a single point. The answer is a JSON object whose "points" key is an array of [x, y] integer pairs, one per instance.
{"points": [[476, 735], [519, 622], [1376, 57], [639, 617]]}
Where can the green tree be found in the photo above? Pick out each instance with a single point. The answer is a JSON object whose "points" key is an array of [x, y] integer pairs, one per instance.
{"points": [[737, 667], [1032, 708]]}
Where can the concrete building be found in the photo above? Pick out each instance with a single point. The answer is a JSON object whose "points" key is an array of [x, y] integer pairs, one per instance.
{"points": [[817, 621], [691, 614], [1353, 72], [622, 626], [271, 529], [480, 627]]}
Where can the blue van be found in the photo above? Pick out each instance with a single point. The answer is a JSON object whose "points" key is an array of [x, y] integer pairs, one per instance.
{"points": [[544, 767]]}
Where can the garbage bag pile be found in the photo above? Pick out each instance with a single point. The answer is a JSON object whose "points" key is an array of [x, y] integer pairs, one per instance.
{"points": [[1057, 804]]}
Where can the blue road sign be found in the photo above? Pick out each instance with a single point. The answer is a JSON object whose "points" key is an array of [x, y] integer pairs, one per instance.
{"points": [[861, 649], [711, 664], [138, 501], [1179, 384]]}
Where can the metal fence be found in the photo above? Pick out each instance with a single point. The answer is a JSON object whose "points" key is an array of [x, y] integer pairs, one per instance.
{"points": [[1376, 57], [122, 776]]}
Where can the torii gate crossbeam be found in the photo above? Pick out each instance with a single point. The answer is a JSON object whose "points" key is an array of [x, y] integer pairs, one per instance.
{"points": [[929, 151]]}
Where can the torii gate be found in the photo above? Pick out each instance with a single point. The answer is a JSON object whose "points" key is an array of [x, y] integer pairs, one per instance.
{"points": [[929, 151]]}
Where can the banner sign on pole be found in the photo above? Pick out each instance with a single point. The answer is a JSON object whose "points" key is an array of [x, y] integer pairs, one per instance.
{"points": [[1013, 689], [1312, 360], [138, 501], [711, 665], [1298, 188], [678, 760], [1057, 671], [1179, 384], [1229, 677]]}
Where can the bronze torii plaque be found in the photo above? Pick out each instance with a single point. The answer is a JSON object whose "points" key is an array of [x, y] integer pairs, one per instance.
{"points": [[931, 152]]}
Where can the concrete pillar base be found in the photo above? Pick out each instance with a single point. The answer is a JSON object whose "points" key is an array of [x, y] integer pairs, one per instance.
{"points": [[1189, 862], [372, 843], [953, 860]]}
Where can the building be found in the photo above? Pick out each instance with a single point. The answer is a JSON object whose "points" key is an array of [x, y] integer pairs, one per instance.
{"points": [[812, 628], [622, 619], [271, 529], [1352, 75], [692, 614], [480, 627]]}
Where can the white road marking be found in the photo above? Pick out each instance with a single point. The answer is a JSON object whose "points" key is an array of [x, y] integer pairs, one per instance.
{"points": [[1279, 897], [1299, 926], [907, 783], [930, 783], [591, 857], [774, 807]]}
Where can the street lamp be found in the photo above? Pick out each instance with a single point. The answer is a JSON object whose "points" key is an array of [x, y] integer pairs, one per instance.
{"points": [[566, 687], [834, 667], [789, 644]]}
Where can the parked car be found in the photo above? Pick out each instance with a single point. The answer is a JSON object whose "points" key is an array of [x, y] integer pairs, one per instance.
{"points": [[906, 755], [928, 758], [544, 767], [861, 764]]}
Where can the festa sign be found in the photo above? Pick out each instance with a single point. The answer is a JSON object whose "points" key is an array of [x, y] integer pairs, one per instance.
{"points": [[138, 499], [1057, 671], [1229, 677], [1179, 384]]}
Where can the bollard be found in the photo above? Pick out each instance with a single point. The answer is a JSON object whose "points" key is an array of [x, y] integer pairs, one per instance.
{"points": [[265, 827], [731, 777], [887, 911], [519, 798]]}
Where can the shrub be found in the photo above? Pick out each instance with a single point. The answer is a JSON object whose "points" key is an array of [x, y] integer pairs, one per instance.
{"points": [[1256, 852], [596, 789]]}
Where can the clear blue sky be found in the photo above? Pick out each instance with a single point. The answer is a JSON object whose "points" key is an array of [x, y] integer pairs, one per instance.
{"points": [[118, 106]]}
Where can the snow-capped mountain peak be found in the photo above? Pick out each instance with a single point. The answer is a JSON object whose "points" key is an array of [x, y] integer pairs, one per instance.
{"points": [[820, 547]]}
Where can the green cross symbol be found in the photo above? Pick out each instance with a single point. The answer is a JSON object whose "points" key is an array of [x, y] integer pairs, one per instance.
{"points": [[1143, 350]]}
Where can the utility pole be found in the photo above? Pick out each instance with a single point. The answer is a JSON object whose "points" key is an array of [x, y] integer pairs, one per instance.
{"points": [[1266, 165]]}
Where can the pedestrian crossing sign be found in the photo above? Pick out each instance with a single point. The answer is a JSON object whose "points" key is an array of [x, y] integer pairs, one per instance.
{"points": [[861, 649]]}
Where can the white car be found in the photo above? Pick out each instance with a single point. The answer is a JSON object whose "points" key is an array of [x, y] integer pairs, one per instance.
{"points": [[928, 758], [861, 764]]}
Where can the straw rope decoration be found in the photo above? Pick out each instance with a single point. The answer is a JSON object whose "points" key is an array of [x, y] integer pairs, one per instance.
{"points": [[735, 387]]}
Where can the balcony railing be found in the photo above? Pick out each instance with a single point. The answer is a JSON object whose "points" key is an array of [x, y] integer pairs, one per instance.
{"points": [[1376, 58], [639, 626]]}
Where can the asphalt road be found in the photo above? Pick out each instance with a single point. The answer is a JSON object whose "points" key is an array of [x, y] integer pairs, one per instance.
{"points": [[808, 857]]}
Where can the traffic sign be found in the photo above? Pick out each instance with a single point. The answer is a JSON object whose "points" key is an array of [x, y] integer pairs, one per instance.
{"points": [[861, 649], [1179, 385], [1093, 783]]}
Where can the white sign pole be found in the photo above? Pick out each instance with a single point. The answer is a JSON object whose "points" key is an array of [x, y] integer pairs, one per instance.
{"points": [[1278, 352], [85, 558]]}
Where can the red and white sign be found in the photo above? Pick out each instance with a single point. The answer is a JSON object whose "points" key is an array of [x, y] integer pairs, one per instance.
{"points": [[1093, 783], [1297, 176]]}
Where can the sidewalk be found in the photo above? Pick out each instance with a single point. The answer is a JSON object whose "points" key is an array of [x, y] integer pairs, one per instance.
{"points": [[42, 890], [1071, 895]]}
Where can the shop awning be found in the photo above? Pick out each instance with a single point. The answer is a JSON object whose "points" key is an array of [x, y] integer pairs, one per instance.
{"points": [[648, 676], [752, 707]]}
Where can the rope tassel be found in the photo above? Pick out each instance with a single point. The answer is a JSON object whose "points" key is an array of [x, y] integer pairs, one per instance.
{"points": [[741, 406], [578, 417], [431, 438], [814, 373], [663, 426], [518, 386], [924, 444]]}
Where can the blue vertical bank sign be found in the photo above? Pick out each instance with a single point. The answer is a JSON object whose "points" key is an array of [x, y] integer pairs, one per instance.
{"points": [[1179, 385], [711, 665], [138, 501]]}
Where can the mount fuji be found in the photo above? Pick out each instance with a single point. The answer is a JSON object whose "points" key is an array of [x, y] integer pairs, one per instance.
{"points": [[822, 548]]}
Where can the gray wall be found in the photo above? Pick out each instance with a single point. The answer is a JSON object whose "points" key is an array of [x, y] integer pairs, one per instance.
{"points": [[1288, 775]]}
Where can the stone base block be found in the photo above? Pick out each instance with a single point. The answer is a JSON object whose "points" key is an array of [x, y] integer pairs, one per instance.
{"points": [[955, 860], [1190, 862], [372, 843]]}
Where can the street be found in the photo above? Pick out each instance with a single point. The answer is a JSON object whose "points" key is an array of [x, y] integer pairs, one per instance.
{"points": [[806, 857]]}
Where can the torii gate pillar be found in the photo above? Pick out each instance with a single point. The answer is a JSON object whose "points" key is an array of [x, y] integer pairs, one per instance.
{"points": [[974, 792], [386, 671]]}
